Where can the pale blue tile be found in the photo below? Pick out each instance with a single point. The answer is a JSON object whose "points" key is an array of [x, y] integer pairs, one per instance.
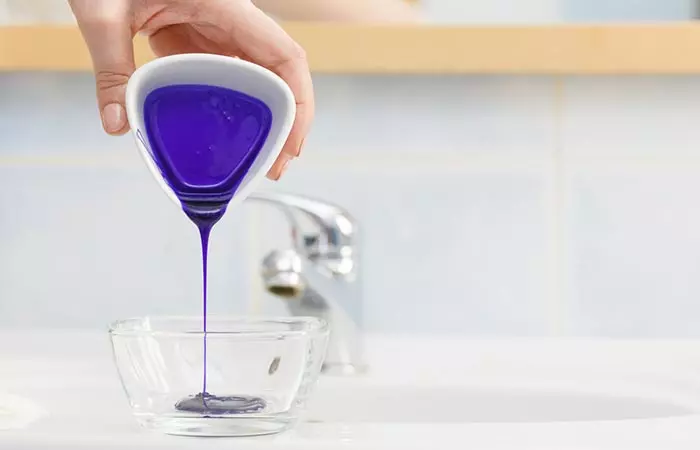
{"points": [[413, 117], [45, 113], [631, 117], [84, 246], [635, 253]]}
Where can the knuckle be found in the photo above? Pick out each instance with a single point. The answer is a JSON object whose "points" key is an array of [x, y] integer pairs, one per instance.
{"points": [[195, 10], [107, 79], [297, 53]]}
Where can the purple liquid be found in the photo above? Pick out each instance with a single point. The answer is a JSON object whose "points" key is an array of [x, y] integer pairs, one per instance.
{"points": [[204, 140]]}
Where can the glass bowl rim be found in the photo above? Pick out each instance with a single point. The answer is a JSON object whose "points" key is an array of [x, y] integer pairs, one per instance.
{"points": [[314, 326]]}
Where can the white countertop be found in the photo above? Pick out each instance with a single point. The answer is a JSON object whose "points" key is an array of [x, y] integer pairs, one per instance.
{"points": [[653, 386]]}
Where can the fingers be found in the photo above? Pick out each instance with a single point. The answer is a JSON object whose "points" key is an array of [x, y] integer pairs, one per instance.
{"points": [[280, 166], [264, 42], [105, 26]]}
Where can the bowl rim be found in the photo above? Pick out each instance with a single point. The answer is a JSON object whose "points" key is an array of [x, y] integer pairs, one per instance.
{"points": [[314, 326]]}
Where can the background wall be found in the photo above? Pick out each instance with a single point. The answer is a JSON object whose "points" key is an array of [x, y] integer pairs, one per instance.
{"points": [[490, 206]]}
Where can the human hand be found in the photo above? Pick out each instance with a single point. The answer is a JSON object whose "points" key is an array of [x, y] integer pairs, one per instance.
{"points": [[227, 27]]}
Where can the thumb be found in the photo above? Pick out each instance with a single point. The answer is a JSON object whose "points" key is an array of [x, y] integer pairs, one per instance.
{"points": [[107, 33]]}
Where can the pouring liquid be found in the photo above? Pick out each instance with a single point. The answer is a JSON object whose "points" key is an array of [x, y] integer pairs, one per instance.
{"points": [[204, 140]]}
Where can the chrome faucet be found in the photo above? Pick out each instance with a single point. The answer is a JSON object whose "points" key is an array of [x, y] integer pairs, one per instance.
{"points": [[319, 275]]}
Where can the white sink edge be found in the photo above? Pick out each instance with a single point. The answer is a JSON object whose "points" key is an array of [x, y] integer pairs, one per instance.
{"points": [[667, 369]]}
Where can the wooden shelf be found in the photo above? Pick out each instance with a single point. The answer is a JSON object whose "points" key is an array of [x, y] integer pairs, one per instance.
{"points": [[672, 48]]}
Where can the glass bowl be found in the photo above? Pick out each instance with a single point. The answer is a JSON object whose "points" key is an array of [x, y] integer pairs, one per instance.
{"points": [[259, 372]]}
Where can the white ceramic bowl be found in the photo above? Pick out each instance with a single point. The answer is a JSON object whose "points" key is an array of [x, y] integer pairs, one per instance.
{"points": [[221, 71]]}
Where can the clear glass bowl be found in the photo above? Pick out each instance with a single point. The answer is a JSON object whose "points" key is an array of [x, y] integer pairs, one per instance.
{"points": [[259, 372]]}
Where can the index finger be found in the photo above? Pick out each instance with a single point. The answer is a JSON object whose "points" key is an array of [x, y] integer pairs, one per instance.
{"points": [[265, 43]]}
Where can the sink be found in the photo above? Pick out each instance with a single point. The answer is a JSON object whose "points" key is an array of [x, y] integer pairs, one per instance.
{"points": [[419, 392], [514, 394], [388, 404], [444, 381]]}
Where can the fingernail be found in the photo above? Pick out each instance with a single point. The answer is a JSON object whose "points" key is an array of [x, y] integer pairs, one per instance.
{"points": [[113, 117], [301, 147]]}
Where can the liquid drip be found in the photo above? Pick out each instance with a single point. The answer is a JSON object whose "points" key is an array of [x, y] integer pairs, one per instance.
{"points": [[205, 226], [204, 140]]}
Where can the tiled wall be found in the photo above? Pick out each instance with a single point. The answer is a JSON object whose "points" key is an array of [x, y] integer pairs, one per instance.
{"points": [[631, 180], [489, 206]]}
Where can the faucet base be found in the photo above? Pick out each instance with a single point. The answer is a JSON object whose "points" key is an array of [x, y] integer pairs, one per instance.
{"points": [[343, 369]]}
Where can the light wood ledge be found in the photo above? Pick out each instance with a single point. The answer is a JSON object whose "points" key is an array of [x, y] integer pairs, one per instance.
{"points": [[672, 48]]}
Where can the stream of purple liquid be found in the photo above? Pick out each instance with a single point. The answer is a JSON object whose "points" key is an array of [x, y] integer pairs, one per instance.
{"points": [[204, 140], [204, 232]]}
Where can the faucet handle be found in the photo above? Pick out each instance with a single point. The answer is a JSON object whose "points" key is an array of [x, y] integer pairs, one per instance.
{"points": [[334, 243]]}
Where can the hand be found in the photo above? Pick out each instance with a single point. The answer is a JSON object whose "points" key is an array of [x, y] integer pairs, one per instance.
{"points": [[226, 27]]}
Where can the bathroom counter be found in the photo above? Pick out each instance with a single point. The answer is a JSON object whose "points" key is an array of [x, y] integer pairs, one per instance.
{"points": [[420, 393], [656, 48]]}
